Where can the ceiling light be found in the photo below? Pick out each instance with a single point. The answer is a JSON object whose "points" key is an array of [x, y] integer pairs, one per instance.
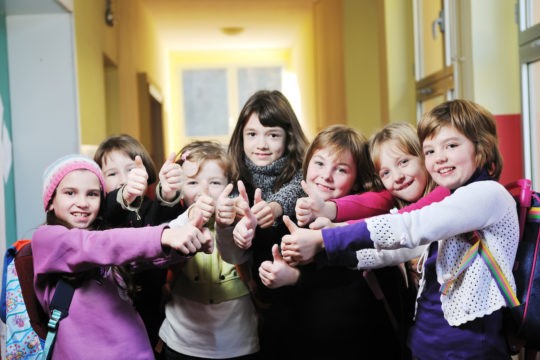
{"points": [[232, 30]]}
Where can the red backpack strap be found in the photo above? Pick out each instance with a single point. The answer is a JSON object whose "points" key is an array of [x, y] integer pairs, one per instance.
{"points": [[25, 272]]}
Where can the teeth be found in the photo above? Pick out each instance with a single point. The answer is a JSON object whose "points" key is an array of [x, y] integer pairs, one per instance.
{"points": [[445, 170]]}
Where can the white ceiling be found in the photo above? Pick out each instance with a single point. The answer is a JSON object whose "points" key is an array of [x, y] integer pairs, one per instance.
{"points": [[186, 25]]}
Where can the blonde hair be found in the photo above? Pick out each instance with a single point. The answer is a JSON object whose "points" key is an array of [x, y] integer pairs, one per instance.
{"points": [[406, 138]]}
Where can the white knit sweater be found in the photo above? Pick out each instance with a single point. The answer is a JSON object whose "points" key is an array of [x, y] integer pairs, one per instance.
{"points": [[482, 205]]}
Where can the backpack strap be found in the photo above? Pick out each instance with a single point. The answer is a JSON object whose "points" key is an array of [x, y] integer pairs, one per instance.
{"points": [[480, 248], [25, 272], [59, 309]]}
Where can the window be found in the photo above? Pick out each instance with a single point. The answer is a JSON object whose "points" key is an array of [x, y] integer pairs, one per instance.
{"points": [[209, 93]]}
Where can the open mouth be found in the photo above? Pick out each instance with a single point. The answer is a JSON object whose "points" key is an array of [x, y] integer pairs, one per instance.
{"points": [[445, 170], [324, 187]]}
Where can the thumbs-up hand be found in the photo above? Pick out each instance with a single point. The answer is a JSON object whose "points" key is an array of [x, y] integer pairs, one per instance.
{"points": [[241, 200], [301, 245], [225, 210], [308, 208], [137, 182], [277, 273], [189, 238], [170, 178], [244, 230], [204, 205], [262, 210]]}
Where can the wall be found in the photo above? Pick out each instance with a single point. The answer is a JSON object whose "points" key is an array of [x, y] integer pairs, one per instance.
{"points": [[365, 80], [109, 94], [43, 100]]}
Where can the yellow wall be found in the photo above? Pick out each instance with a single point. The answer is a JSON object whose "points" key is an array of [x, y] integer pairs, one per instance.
{"points": [[364, 67], [495, 56], [132, 46], [400, 61]]}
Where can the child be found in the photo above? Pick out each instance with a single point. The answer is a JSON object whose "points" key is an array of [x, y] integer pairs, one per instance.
{"points": [[332, 300], [266, 151], [102, 323], [397, 159], [211, 314], [456, 310], [129, 171]]}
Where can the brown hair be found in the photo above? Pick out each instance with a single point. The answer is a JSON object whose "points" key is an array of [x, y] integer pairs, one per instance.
{"points": [[273, 109], [474, 122], [200, 151], [129, 146], [339, 139]]}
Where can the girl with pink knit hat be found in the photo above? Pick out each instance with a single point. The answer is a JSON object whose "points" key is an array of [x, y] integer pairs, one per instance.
{"points": [[102, 322]]}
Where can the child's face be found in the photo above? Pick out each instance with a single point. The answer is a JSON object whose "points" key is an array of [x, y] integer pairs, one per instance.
{"points": [[450, 157], [402, 174], [331, 177], [77, 199], [209, 180], [116, 167], [263, 145]]}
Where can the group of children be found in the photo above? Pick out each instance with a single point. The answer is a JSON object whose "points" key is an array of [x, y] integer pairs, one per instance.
{"points": [[273, 248]]}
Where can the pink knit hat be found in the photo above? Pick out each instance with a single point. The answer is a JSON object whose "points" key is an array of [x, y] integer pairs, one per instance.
{"points": [[55, 172]]}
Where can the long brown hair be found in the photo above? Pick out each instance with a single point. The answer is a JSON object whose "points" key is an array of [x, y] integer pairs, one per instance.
{"points": [[273, 109]]}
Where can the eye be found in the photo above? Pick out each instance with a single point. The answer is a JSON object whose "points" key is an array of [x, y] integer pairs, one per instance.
{"points": [[428, 152], [111, 174], [69, 192], [451, 145], [191, 182], [250, 133], [216, 183], [403, 162], [343, 170], [94, 194], [384, 174], [318, 163], [275, 135]]}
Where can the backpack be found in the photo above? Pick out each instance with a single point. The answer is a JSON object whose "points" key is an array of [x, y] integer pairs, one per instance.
{"points": [[524, 323], [30, 334]]}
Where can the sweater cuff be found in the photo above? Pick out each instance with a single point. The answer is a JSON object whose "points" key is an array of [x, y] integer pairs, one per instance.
{"points": [[164, 202], [346, 238]]}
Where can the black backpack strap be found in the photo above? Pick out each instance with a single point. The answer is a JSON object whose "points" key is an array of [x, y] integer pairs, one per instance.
{"points": [[59, 309]]}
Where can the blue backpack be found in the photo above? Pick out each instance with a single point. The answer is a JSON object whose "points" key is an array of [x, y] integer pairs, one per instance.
{"points": [[30, 333]]}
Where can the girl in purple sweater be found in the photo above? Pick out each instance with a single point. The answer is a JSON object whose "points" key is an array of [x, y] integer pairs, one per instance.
{"points": [[459, 306], [102, 321]]}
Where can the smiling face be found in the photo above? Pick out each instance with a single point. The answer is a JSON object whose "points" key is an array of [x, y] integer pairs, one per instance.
{"points": [[330, 175], [402, 174], [210, 180], [77, 199], [450, 157], [116, 167], [263, 145]]}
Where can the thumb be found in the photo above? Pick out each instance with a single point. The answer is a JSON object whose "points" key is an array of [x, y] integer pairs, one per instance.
{"points": [[138, 162], [171, 158], [242, 191], [198, 220], [291, 226], [227, 191], [257, 196], [276, 253]]}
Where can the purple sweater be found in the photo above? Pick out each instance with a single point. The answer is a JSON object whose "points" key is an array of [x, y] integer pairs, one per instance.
{"points": [[100, 325]]}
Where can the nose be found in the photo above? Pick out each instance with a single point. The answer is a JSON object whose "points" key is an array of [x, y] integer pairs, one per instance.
{"points": [[81, 201], [440, 157], [326, 174], [399, 177], [261, 142]]}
